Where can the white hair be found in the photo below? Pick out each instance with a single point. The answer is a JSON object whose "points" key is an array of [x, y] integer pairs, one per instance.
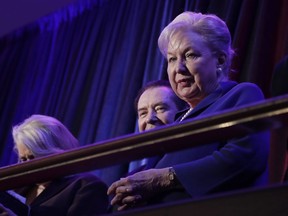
{"points": [[43, 135], [210, 27]]}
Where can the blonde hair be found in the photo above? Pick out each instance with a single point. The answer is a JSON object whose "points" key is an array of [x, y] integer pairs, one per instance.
{"points": [[43, 135], [211, 28]]}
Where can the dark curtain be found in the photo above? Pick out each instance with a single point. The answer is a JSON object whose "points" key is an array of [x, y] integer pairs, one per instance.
{"points": [[85, 63]]}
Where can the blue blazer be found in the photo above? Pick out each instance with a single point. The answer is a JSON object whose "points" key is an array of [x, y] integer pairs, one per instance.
{"points": [[221, 166]]}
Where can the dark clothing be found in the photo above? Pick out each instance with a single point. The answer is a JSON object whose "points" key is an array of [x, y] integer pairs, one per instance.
{"points": [[279, 87], [82, 194], [221, 166], [279, 79]]}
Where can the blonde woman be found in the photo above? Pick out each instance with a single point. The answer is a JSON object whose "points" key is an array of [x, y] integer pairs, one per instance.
{"points": [[82, 194]]}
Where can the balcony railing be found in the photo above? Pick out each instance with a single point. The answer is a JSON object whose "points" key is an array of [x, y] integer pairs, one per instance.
{"points": [[266, 115]]}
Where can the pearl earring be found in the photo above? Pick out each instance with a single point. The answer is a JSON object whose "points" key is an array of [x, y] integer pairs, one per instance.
{"points": [[219, 71]]}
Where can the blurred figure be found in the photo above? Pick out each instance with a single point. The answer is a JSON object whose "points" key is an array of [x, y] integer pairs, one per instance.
{"points": [[279, 79], [82, 194], [278, 160]]}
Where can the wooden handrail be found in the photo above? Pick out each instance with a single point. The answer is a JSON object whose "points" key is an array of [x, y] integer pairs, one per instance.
{"points": [[268, 201], [260, 116]]}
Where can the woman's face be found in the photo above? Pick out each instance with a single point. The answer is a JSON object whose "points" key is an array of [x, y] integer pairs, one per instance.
{"points": [[191, 67], [24, 153]]}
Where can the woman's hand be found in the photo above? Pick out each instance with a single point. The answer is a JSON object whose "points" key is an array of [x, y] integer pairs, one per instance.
{"points": [[138, 188]]}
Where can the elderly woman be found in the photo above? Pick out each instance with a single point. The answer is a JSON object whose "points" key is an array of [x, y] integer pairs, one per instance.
{"points": [[198, 51], [82, 194]]}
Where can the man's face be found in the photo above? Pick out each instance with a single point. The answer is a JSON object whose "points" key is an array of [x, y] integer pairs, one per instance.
{"points": [[156, 107]]}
